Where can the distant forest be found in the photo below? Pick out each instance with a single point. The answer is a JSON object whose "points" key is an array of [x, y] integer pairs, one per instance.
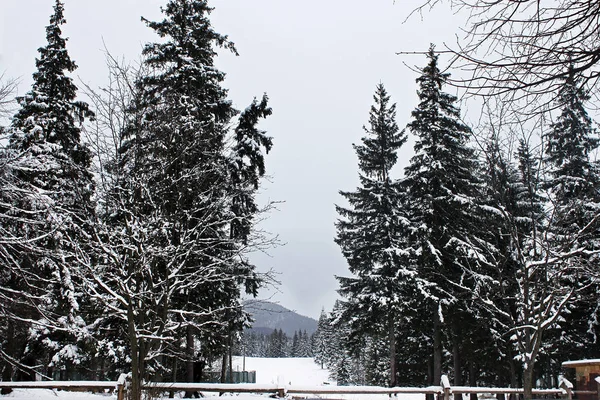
{"points": [[276, 344]]}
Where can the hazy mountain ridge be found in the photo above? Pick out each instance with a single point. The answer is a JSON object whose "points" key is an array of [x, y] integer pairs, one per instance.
{"points": [[269, 316]]}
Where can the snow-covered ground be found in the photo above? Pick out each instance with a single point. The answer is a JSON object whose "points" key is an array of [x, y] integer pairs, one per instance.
{"points": [[290, 371], [293, 371]]}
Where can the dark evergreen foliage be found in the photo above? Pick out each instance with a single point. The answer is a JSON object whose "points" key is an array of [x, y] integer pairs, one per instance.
{"points": [[52, 208], [447, 235], [371, 231], [574, 186]]}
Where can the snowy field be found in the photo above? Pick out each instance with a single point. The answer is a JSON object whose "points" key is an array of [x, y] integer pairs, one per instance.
{"points": [[291, 371]]}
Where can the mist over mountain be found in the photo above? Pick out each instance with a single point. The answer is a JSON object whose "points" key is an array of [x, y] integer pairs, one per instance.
{"points": [[269, 316]]}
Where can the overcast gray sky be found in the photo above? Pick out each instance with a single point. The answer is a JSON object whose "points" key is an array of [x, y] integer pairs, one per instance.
{"points": [[318, 60]]}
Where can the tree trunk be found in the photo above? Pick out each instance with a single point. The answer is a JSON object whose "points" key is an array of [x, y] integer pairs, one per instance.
{"points": [[392, 339], [437, 347], [136, 369], [189, 362], [514, 380], [174, 379], [528, 381], [473, 378], [224, 368], [457, 366], [230, 353]]}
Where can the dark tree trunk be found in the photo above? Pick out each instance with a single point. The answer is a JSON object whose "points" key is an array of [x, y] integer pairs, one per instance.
{"points": [[528, 382], [514, 379], [136, 364], [430, 377], [174, 377], [437, 347], [189, 362], [457, 366], [392, 339], [224, 368], [473, 378]]}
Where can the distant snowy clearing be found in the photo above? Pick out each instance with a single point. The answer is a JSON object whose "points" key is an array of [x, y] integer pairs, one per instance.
{"points": [[291, 371]]}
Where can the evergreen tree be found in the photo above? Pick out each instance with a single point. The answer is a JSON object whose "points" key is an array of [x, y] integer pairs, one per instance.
{"points": [[369, 232], [182, 212], [320, 346], [512, 191], [450, 249], [376, 366], [305, 348], [49, 158], [295, 345], [574, 183]]}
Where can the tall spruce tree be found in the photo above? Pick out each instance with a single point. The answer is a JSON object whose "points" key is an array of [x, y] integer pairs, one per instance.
{"points": [[574, 183], [450, 250], [48, 158], [512, 190], [320, 340], [370, 231], [181, 216]]}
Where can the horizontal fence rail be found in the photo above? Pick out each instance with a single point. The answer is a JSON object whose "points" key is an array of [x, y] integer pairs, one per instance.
{"points": [[444, 391], [66, 385], [362, 390]]}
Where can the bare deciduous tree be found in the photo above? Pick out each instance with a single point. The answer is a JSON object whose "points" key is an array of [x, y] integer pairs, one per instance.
{"points": [[8, 87], [520, 50]]}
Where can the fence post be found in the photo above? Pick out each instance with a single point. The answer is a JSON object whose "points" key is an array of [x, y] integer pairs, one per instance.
{"points": [[121, 387], [567, 386], [280, 387], [446, 387]]}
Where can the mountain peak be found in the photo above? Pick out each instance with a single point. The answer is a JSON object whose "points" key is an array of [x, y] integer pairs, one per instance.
{"points": [[269, 316]]}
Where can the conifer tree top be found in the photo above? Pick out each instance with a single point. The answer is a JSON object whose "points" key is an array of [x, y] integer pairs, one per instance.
{"points": [[571, 140], [377, 153], [49, 111], [436, 120], [187, 23], [50, 79]]}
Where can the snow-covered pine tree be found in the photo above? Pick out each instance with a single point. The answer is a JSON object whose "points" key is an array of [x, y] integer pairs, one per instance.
{"points": [[539, 292], [376, 368], [539, 279], [305, 348], [345, 360], [295, 349], [245, 166], [447, 236], [321, 340], [49, 158], [511, 192], [169, 225], [574, 183], [370, 233]]}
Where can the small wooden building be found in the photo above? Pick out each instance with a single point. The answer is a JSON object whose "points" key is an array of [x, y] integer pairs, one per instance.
{"points": [[586, 371]]}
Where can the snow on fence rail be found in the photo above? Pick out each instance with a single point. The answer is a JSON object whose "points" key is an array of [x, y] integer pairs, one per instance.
{"points": [[443, 392], [66, 385]]}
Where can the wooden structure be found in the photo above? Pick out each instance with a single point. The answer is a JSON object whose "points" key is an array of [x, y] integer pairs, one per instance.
{"points": [[586, 372], [280, 390]]}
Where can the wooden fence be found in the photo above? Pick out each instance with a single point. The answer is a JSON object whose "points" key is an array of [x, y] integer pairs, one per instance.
{"points": [[442, 392]]}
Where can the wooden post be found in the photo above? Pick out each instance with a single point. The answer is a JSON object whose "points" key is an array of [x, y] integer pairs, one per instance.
{"points": [[567, 387], [121, 387], [446, 388], [280, 387], [120, 392]]}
